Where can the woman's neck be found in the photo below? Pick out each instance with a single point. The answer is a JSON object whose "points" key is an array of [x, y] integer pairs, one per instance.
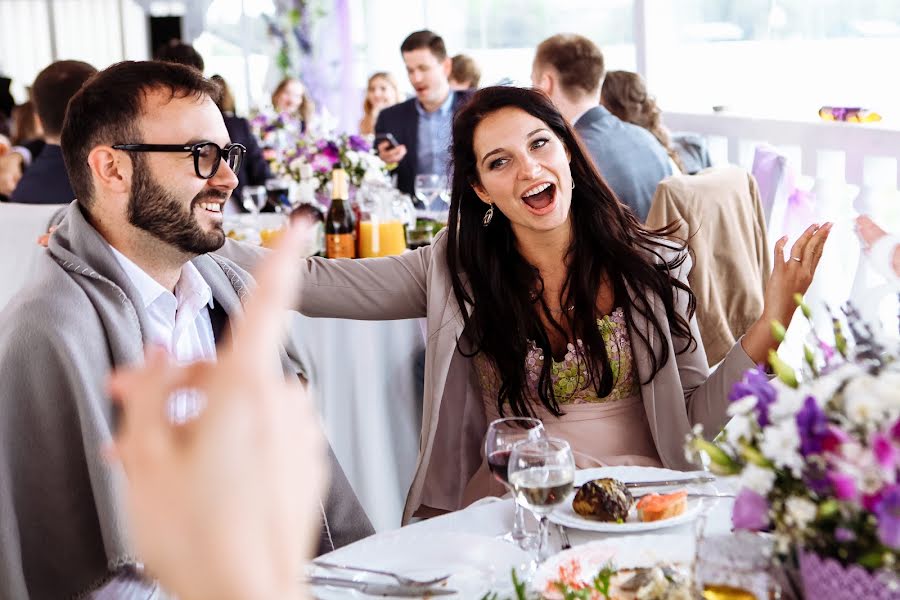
{"points": [[546, 250]]}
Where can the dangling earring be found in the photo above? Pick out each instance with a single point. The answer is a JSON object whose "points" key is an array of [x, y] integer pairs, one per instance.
{"points": [[488, 215], [573, 184]]}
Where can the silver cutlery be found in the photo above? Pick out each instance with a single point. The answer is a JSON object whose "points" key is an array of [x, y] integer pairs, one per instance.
{"points": [[381, 589], [669, 482], [563, 536], [397, 577]]}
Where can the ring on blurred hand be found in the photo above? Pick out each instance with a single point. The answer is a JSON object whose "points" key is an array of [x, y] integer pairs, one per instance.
{"points": [[795, 258]]}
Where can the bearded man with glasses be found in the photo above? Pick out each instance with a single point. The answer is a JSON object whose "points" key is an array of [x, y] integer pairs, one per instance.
{"points": [[132, 263]]}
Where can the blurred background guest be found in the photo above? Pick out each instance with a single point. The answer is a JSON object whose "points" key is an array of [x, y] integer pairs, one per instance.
{"points": [[254, 169], [46, 180], [464, 73], [176, 51], [7, 103], [569, 69], [290, 97], [26, 129], [624, 94], [381, 92]]}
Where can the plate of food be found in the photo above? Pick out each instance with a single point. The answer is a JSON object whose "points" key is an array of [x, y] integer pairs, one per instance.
{"points": [[656, 567], [611, 499]]}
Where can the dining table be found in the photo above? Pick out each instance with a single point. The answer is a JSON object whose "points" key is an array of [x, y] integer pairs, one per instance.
{"points": [[467, 545]]}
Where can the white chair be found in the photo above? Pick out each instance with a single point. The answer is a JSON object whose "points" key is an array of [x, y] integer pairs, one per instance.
{"points": [[20, 227]]}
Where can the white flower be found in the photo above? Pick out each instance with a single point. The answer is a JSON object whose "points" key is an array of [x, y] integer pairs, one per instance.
{"points": [[742, 406], [352, 157], [788, 403], [864, 400], [780, 444], [758, 479], [799, 511], [739, 428], [860, 464]]}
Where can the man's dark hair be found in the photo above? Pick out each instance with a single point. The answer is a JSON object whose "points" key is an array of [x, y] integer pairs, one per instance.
{"points": [[54, 87], [577, 59], [176, 51], [464, 69], [425, 39], [107, 109]]}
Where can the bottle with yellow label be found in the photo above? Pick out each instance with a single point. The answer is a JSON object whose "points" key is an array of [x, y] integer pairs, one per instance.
{"points": [[340, 223]]}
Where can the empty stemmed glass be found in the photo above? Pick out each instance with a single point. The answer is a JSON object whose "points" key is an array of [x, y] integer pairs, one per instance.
{"points": [[541, 473], [501, 436]]}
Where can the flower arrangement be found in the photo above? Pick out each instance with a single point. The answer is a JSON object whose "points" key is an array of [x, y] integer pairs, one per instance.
{"points": [[325, 153], [817, 450]]}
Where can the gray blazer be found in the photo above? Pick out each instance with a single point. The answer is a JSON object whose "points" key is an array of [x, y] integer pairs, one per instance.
{"points": [[630, 159], [63, 530], [417, 284]]}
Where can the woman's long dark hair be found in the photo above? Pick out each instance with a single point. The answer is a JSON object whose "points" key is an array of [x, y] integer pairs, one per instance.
{"points": [[504, 291]]}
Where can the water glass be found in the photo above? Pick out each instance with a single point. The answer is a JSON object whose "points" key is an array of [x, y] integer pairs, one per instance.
{"points": [[501, 436], [541, 473]]}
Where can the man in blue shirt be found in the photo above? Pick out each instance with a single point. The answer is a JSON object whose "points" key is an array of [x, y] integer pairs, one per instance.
{"points": [[569, 69], [421, 125]]}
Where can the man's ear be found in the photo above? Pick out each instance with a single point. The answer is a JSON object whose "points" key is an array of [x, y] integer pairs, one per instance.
{"points": [[447, 66], [112, 169]]}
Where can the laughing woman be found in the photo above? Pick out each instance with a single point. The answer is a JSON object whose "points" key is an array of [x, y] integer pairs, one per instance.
{"points": [[545, 296]]}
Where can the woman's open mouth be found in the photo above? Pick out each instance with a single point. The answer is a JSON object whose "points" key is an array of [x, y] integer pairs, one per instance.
{"points": [[541, 198]]}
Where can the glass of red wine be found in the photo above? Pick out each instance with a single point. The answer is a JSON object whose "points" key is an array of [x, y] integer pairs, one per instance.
{"points": [[541, 473], [501, 436]]}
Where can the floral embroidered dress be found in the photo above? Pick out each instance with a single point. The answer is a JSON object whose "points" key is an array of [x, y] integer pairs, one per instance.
{"points": [[602, 431]]}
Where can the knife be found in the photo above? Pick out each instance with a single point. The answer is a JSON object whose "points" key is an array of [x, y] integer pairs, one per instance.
{"points": [[381, 589], [668, 482]]}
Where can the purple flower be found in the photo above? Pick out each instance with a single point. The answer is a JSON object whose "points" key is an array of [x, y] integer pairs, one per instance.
{"points": [[332, 153], [751, 511], [359, 144], [885, 452], [844, 535], [755, 383], [888, 513], [895, 431], [812, 425], [843, 485], [321, 163]]}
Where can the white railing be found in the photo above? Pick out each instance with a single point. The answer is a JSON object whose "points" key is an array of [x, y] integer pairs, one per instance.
{"points": [[845, 169]]}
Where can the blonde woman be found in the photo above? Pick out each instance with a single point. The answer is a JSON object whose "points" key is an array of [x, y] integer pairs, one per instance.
{"points": [[290, 97], [381, 92]]}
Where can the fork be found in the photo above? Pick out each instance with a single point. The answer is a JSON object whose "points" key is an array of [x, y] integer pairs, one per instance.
{"points": [[563, 537], [398, 578]]}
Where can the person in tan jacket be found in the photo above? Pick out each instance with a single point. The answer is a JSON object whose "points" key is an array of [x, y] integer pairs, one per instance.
{"points": [[540, 261]]}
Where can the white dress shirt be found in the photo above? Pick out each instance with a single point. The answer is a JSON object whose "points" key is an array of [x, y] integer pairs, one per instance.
{"points": [[178, 322]]}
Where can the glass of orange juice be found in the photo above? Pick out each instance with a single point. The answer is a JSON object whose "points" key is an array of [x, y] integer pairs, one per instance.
{"points": [[381, 238]]}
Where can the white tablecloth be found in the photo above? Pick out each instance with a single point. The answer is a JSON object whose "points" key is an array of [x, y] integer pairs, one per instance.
{"points": [[370, 397]]}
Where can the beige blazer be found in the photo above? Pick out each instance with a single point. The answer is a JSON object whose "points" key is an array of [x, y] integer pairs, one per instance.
{"points": [[720, 214], [417, 284]]}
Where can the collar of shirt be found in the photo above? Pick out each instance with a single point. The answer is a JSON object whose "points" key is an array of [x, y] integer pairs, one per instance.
{"points": [[443, 110], [181, 309]]}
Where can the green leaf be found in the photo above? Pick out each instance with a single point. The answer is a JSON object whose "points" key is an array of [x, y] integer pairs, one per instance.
{"points": [[810, 359], [752, 455], [778, 331], [828, 508], [784, 372], [722, 463], [519, 586], [603, 579], [872, 560], [804, 308]]}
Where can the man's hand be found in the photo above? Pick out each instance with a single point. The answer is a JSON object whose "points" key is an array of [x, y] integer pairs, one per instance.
{"points": [[391, 155], [10, 172]]}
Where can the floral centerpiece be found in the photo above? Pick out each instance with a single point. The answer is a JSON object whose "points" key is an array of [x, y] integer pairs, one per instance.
{"points": [[817, 452], [327, 152]]}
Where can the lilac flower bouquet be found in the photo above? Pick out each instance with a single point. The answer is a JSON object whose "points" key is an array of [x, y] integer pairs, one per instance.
{"points": [[327, 152], [817, 449]]}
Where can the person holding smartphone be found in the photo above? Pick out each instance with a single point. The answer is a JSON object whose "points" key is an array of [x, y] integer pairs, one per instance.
{"points": [[420, 127]]}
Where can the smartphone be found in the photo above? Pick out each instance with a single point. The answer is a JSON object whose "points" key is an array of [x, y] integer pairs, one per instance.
{"points": [[386, 137]]}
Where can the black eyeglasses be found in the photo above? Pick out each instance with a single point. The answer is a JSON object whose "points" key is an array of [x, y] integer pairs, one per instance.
{"points": [[207, 155]]}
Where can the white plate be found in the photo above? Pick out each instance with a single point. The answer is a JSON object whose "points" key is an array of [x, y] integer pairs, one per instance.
{"points": [[626, 552], [476, 564], [565, 515]]}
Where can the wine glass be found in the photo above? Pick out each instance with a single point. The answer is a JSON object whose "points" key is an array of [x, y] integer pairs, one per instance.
{"points": [[429, 188], [541, 473], [501, 436]]}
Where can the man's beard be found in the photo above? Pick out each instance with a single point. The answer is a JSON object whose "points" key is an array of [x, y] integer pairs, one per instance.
{"points": [[153, 208]]}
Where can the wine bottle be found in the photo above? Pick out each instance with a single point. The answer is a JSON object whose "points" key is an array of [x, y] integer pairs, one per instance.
{"points": [[308, 209], [340, 223]]}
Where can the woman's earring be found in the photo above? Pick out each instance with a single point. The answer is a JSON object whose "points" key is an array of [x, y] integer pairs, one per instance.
{"points": [[488, 215], [573, 184]]}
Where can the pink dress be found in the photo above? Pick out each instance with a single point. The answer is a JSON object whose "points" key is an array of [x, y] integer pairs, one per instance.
{"points": [[602, 431]]}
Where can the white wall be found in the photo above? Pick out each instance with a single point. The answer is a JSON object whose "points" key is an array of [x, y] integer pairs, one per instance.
{"points": [[99, 32]]}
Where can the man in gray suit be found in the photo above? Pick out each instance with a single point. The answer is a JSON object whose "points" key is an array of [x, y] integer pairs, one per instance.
{"points": [[569, 69]]}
